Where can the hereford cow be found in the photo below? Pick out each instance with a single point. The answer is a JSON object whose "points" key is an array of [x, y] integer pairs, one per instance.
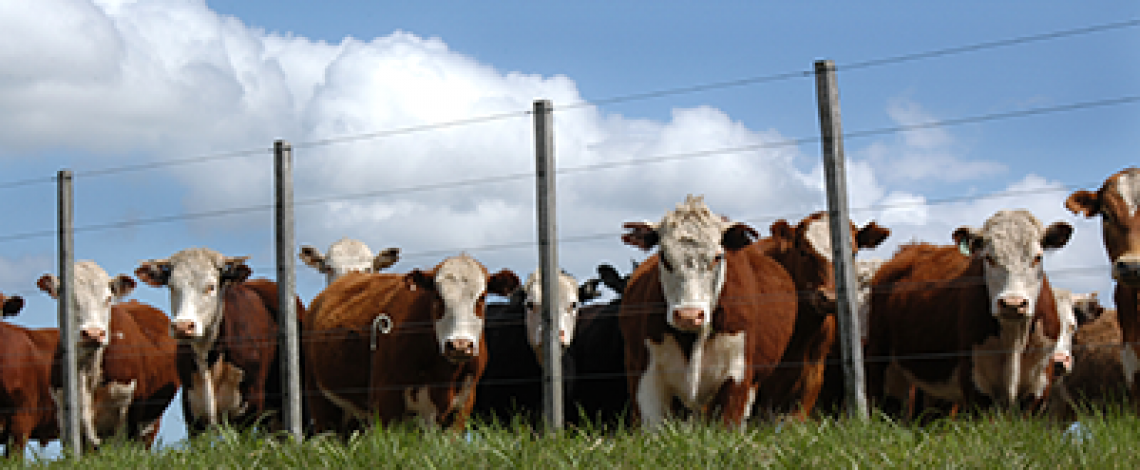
{"points": [[347, 255], [392, 346], [1097, 379], [600, 395], [227, 333], [705, 320], [125, 358], [1075, 311], [958, 326], [811, 358], [511, 385], [1117, 202], [26, 407]]}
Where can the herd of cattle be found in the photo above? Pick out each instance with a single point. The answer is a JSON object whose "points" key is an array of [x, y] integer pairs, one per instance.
{"points": [[717, 322]]}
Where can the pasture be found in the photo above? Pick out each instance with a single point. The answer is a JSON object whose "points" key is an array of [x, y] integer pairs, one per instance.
{"points": [[988, 441]]}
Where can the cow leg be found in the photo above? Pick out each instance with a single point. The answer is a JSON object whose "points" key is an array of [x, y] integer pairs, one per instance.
{"points": [[734, 401], [652, 400], [19, 428]]}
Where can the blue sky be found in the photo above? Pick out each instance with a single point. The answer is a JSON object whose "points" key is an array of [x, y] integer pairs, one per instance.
{"points": [[108, 84]]}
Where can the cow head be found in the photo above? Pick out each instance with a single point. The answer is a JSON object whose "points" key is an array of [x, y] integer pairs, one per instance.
{"points": [[692, 242], [460, 285], [11, 304], [347, 255], [196, 278], [805, 251], [1073, 311], [1118, 205], [1010, 247], [566, 307], [94, 293]]}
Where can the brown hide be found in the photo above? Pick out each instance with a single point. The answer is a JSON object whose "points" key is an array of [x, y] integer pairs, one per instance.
{"points": [[338, 336], [929, 307], [26, 408], [1128, 314], [247, 339], [758, 298], [140, 349], [1097, 378]]}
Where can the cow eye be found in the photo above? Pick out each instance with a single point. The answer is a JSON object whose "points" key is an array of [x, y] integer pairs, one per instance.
{"points": [[209, 289], [990, 260], [1037, 260], [665, 264], [530, 305]]}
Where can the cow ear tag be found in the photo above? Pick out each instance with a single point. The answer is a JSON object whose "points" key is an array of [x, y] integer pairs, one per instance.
{"points": [[964, 247]]}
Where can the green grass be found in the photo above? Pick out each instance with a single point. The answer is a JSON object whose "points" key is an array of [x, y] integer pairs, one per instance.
{"points": [[990, 441]]}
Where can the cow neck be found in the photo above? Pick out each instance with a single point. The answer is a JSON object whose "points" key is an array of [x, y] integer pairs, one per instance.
{"points": [[89, 366], [207, 352]]}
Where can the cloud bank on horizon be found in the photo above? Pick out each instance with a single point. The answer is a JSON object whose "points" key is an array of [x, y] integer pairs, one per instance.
{"points": [[153, 80]]}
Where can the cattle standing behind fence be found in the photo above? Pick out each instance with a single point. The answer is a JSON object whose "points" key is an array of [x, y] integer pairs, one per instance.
{"points": [[347, 255], [422, 333], [1117, 202], [956, 326], [805, 252], [601, 391], [26, 408], [126, 358], [227, 330], [706, 319]]}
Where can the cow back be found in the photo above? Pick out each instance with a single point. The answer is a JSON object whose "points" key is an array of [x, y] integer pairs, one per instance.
{"points": [[26, 408]]}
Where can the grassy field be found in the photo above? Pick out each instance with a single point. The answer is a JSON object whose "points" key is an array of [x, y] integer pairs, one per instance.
{"points": [[1108, 440]]}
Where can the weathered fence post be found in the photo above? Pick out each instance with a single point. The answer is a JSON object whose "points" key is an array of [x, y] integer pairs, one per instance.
{"points": [[70, 434], [851, 345], [548, 264], [289, 342]]}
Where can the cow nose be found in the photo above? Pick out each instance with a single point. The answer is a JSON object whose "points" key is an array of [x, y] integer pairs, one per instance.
{"points": [[93, 336], [1017, 305], [459, 350], [1062, 364], [182, 329], [688, 318], [562, 336]]}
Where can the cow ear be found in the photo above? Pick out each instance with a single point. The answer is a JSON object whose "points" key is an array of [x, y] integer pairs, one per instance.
{"points": [[154, 273], [1057, 235], [418, 278], [503, 283], [385, 259], [13, 305], [122, 285], [641, 235], [313, 258], [235, 269], [611, 278], [49, 284], [738, 236], [783, 234], [871, 235], [589, 290], [968, 240], [1086, 203]]}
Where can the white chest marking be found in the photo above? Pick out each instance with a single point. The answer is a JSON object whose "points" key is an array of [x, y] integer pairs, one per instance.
{"points": [[1130, 363], [417, 400], [215, 393], [694, 380]]}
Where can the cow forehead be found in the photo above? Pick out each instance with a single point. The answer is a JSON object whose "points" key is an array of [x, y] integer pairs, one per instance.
{"points": [[90, 277], [1126, 185], [817, 233], [350, 251], [1012, 235], [691, 228], [533, 286], [460, 276], [195, 265]]}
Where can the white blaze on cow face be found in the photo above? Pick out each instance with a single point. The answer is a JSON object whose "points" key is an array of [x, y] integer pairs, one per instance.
{"points": [[1011, 246], [1125, 263], [94, 293], [818, 235], [566, 310], [195, 279], [460, 282], [692, 266], [345, 256]]}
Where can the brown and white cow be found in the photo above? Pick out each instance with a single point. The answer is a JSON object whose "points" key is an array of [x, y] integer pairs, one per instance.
{"points": [[957, 326], [805, 252], [126, 358], [1097, 379], [26, 407], [396, 346], [705, 320], [226, 327], [1117, 202], [347, 255], [1075, 311]]}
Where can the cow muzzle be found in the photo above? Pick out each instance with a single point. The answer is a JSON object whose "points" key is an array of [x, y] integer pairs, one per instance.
{"points": [[1126, 270], [688, 318], [182, 329], [1013, 308], [459, 350], [92, 337], [1062, 364]]}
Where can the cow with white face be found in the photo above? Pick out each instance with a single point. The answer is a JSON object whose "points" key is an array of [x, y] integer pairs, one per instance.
{"points": [[126, 361], [227, 329], [706, 319], [566, 307], [1117, 202], [348, 255], [933, 325]]}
